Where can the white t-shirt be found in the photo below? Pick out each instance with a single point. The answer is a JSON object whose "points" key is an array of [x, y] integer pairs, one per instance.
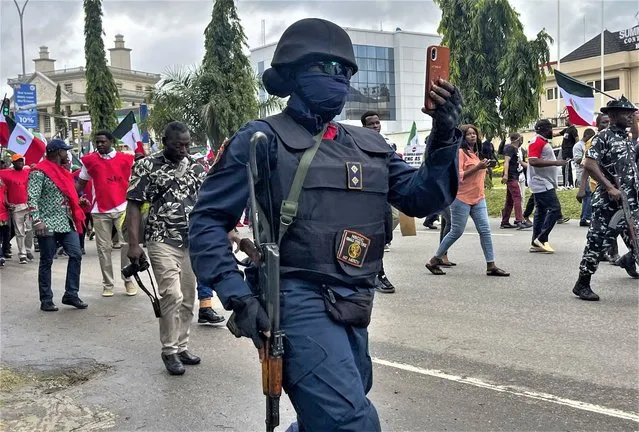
{"points": [[84, 175]]}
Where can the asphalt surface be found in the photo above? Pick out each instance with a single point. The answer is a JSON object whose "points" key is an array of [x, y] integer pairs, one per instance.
{"points": [[457, 352]]}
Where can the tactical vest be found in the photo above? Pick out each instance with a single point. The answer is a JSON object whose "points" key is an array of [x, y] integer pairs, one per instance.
{"points": [[338, 233]]}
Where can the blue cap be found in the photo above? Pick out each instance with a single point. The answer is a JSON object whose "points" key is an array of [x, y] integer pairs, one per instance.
{"points": [[57, 144]]}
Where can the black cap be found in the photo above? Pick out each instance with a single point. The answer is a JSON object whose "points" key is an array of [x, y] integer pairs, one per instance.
{"points": [[313, 38], [542, 124], [619, 104], [57, 144]]}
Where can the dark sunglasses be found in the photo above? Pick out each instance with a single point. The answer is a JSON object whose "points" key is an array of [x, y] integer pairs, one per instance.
{"points": [[333, 68]]}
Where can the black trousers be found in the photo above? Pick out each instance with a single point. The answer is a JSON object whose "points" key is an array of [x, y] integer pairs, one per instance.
{"points": [[547, 214]]}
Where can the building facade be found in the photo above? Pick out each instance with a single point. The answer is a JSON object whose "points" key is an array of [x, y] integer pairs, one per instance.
{"points": [[621, 71], [133, 86], [390, 79]]}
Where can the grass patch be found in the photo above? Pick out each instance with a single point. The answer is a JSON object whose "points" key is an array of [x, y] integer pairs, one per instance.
{"points": [[496, 197], [9, 380]]}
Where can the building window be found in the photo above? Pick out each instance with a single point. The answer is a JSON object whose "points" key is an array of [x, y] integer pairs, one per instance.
{"points": [[373, 87], [260, 68], [138, 88], [118, 85], [595, 84], [68, 87], [148, 89], [47, 123], [551, 94], [611, 84]]}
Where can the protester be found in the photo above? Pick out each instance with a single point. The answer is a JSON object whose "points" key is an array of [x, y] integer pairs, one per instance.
{"points": [[370, 120], [570, 138], [610, 159], [170, 182], [57, 217], [470, 201], [578, 152], [512, 171], [110, 171], [4, 216], [16, 180], [542, 170]]}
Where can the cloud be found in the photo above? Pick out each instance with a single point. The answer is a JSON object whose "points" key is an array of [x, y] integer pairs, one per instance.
{"points": [[167, 33]]}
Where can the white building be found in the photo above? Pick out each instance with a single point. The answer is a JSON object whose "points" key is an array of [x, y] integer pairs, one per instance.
{"points": [[390, 79]]}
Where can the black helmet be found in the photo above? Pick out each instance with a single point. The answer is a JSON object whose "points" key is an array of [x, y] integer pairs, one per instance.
{"points": [[314, 38], [618, 104]]}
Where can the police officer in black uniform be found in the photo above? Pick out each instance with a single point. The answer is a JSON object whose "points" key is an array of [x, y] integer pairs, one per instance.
{"points": [[334, 247]]}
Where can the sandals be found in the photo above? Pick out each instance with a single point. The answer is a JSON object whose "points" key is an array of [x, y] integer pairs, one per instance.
{"points": [[496, 271], [435, 268], [448, 264]]}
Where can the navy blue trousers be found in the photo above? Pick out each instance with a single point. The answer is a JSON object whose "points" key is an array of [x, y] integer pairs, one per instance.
{"points": [[327, 367]]}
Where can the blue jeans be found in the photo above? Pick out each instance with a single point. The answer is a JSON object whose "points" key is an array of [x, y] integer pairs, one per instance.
{"points": [[70, 241], [459, 212], [586, 208], [547, 213]]}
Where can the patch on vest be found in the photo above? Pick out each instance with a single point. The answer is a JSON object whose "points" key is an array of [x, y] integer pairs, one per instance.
{"points": [[354, 175], [353, 248]]}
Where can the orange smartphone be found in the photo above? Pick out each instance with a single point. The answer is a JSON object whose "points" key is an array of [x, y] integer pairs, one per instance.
{"points": [[437, 66]]}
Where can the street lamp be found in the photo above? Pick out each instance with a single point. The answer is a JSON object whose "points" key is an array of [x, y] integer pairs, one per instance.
{"points": [[21, 14]]}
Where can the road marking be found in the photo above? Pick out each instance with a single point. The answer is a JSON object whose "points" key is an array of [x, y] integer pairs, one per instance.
{"points": [[466, 233], [517, 391]]}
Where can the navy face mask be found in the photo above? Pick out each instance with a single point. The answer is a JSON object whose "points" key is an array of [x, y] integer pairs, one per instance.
{"points": [[324, 94]]}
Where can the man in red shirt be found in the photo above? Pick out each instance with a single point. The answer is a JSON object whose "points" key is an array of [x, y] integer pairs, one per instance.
{"points": [[110, 171], [16, 180]]}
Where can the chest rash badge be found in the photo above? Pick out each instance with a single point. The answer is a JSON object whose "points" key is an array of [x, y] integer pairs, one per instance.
{"points": [[354, 175], [353, 248]]}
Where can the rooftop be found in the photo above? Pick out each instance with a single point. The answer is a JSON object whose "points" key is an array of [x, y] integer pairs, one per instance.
{"points": [[614, 42]]}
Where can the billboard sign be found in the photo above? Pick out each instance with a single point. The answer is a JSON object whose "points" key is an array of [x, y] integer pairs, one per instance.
{"points": [[25, 100]]}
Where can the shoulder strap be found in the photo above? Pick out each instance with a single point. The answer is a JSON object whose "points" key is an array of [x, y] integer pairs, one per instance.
{"points": [[288, 210]]}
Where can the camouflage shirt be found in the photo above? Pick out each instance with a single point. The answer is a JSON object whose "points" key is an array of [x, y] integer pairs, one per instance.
{"points": [[616, 156]]}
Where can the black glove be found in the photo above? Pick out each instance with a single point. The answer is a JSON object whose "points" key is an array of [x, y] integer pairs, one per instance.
{"points": [[249, 319], [446, 117]]}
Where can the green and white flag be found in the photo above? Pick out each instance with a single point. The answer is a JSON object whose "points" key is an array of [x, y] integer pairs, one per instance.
{"points": [[128, 132], [413, 138]]}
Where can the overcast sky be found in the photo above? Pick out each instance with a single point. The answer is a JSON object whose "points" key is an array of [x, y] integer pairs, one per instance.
{"points": [[163, 34]]}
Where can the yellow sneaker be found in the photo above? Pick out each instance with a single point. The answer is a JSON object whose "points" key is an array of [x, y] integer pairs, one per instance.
{"points": [[130, 288], [107, 292], [544, 246]]}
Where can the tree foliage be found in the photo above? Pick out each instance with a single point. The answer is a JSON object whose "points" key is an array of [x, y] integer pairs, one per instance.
{"points": [[216, 98], [497, 69], [227, 80], [101, 91], [60, 123]]}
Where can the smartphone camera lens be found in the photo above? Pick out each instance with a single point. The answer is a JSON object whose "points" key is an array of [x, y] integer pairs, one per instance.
{"points": [[433, 54]]}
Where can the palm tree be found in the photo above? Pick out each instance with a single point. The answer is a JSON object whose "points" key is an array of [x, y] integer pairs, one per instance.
{"points": [[181, 96]]}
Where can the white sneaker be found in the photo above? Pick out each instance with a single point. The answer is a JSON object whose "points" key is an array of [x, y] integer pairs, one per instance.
{"points": [[130, 288], [107, 292], [387, 248]]}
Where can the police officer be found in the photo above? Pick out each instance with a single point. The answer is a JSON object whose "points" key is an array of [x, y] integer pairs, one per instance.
{"points": [[335, 245], [611, 155]]}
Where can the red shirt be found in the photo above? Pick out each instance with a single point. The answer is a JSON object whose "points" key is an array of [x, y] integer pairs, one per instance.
{"points": [[16, 183]]}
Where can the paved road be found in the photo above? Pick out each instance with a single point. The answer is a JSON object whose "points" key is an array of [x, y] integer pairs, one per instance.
{"points": [[455, 352]]}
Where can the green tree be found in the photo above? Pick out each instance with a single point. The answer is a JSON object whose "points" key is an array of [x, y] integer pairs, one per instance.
{"points": [[498, 70], [101, 93], [227, 82], [60, 123]]}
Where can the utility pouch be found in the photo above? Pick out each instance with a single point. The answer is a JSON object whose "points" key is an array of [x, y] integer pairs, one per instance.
{"points": [[354, 310]]}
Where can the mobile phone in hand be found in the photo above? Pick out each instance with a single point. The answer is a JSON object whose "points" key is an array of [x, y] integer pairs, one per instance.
{"points": [[437, 66], [492, 163]]}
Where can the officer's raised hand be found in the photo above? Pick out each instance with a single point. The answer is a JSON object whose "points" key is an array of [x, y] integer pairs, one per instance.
{"points": [[249, 319], [449, 105]]}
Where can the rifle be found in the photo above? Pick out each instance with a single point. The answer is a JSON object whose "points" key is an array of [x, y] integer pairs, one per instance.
{"points": [[266, 257], [626, 214]]}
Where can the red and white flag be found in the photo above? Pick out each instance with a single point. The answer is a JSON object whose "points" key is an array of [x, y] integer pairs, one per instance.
{"points": [[19, 140], [579, 99], [129, 133]]}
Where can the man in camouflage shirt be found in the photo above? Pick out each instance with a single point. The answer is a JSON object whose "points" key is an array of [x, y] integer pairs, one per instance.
{"points": [[611, 156]]}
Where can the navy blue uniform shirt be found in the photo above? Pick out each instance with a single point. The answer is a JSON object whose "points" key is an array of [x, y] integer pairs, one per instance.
{"points": [[223, 196]]}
